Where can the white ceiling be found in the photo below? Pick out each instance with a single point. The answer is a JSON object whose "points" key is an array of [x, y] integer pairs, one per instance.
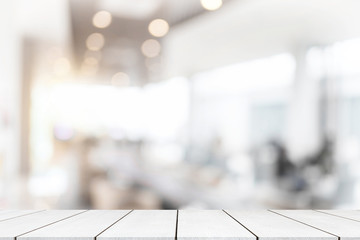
{"points": [[245, 29], [198, 40], [128, 30]]}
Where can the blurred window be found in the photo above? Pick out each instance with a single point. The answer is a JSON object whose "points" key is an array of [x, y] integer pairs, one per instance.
{"points": [[244, 103]]}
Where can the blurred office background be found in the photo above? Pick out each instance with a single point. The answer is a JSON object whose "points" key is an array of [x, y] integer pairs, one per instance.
{"points": [[180, 104]]}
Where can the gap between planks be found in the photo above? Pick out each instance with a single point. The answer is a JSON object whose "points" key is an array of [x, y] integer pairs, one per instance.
{"points": [[16, 237], [114, 223], [332, 214], [304, 223], [257, 238], [21, 215]]}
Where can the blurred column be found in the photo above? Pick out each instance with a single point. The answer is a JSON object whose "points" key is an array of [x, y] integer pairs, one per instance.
{"points": [[303, 133], [26, 78], [331, 91], [10, 83]]}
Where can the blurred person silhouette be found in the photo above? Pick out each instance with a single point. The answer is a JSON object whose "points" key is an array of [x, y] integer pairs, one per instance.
{"points": [[324, 157]]}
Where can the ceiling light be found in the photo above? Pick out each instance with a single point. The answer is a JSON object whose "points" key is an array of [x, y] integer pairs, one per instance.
{"points": [[88, 69], [211, 5], [158, 27], [120, 79], [95, 41], [134, 9], [94, 54], [102, 19], [151, 48], [91, 61]]}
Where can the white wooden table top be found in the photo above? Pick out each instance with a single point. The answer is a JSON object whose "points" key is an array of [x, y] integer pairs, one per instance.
{"points": [[179, 224]]}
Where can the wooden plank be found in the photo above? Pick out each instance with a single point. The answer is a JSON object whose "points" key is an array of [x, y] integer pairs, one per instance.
{"points": [[341, 227], [143, 224], [350, 214], [85, 226], [267, 226], [14, 227], [8, 214], [211, 224]]}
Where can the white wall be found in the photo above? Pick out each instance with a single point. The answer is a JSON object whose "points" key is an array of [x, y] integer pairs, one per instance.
{"points": [[10, 84], [22, 24]]}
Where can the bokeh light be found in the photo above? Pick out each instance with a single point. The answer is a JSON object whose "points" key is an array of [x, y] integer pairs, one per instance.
{"points": [[153, 64], [90, 66], [91, 61], [151, 48], [120, 79], [211, 5], [95, 41], [94, 54], [158, 27], [102, 19]]}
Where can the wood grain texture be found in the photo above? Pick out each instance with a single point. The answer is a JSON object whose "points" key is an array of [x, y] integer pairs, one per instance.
{"points": [[354, 215], [85, 226], [14, 227], [143, 224], [267, 226], [209, 224], [344, 228], [8, 214]]}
